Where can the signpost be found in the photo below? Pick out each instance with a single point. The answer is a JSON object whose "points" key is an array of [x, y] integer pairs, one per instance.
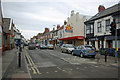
{"points": [[18, 37]]}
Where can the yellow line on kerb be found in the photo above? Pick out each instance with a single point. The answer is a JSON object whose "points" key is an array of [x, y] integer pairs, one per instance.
{"points": [[33, 66]]}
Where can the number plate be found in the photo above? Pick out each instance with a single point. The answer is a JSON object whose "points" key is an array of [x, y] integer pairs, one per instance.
{"points": [[91, 51]]}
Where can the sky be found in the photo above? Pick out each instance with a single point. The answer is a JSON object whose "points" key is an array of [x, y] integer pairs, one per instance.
{"points": [[32, 16]]}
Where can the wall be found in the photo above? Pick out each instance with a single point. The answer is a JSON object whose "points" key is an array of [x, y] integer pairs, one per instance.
{"points": [[0, 40], [77, 23], [103, 26]]}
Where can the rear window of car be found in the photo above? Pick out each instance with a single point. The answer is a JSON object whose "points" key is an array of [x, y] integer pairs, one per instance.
{"points": [[31, 44], [70, 46], [89, 47]]}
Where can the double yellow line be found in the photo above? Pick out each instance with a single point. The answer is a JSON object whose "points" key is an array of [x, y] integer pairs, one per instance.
{"points": [[32, 64]]}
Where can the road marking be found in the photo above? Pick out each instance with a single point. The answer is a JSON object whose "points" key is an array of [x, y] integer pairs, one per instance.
{"points": [[55, 71], [34, 72], [77, 68], [33, 66], [71, 69], [59, 68], [47, 72], [63, 70]]}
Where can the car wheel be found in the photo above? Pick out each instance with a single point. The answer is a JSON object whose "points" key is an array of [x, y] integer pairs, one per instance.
{"points": [[72, 53], [67, 51], [93, 56], [62, 51], [81, 55]]}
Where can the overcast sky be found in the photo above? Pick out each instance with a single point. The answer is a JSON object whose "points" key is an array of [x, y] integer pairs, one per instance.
{"points": [[32, 16]]}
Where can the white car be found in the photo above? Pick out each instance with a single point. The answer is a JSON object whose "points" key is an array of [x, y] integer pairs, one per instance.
{"points": [[67, 48]]}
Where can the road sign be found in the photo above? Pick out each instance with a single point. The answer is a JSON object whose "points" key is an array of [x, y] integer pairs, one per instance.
{"points": [[19, 42], [104, 39]]}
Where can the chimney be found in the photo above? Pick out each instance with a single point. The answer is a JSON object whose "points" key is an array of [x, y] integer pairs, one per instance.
{"points": [[101, 8], [72, 12], [53, 29], [46, 30], [58, 26], [65, 22]]}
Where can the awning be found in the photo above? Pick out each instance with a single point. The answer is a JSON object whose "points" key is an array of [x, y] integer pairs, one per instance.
{"points": [[71, 38]]}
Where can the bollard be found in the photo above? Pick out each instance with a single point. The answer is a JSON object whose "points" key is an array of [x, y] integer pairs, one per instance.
{"points": [[19, 63], [105, 56], [19, 57]]}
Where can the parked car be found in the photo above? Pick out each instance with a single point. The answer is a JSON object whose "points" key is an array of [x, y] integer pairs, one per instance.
{"points": [[67, 48], [37, 45], [84, 51], [31, 46], [42, 46], [109, 51], [50, 46]]}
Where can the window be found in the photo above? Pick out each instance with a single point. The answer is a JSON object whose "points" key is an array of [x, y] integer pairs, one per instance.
{"points": [[108, 25], [91, 28], [87, 30], [99, 26]]}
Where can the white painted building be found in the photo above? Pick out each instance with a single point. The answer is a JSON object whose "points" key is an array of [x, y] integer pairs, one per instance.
{"points": [[74, 29]]}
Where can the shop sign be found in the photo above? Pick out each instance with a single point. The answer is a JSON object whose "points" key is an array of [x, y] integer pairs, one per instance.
{"points": [[68, 28]]}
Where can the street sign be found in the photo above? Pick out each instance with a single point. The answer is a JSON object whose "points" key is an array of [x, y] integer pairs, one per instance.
{"points": [[19, 42], [104, 39]]}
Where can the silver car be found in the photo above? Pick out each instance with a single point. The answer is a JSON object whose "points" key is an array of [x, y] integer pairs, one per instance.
{"points": [[67, 48]]}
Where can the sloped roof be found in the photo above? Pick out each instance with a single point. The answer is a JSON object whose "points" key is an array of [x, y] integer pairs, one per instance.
{"points": [[6, 24], [106, 12]]}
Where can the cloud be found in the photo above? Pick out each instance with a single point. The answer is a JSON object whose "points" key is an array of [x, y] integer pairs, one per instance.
{"points": [[29, 33], [32, 16]]}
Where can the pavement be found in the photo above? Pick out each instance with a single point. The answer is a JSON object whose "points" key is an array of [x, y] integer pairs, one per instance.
{"points": [[10, 69]]}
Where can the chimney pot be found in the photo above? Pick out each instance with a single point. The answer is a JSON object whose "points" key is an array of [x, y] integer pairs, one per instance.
{"points": [[101, 8]]}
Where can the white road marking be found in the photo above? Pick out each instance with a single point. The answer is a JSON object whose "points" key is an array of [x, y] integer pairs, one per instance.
{"points": [[63, 70], [55, 71], [71, 69], [47, 72], [77, 68], [59, 68]]}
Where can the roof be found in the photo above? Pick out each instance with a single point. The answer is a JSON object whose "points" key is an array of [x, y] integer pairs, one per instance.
{"points": [[105, 12], [6, 24]]}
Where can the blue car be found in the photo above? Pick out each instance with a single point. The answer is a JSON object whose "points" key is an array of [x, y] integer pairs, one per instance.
{"points": [[82, 51]]}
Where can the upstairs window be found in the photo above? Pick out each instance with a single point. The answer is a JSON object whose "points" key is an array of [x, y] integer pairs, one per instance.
{"points": [[87, 29], [107, 25], [99, 27], [91, 28]]}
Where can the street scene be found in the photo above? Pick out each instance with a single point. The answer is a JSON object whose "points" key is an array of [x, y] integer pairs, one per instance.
{"points": [[59, 40]]}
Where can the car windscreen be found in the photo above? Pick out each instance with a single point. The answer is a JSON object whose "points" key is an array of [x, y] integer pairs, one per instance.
{"points": [[50, 45]]}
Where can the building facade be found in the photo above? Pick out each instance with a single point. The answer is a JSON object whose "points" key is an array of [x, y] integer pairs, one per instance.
{"points": [[97, 28], [74, 30], [1, 23]]}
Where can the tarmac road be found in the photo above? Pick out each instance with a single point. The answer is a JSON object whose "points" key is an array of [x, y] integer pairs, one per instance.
{"points": [[54, 64]]}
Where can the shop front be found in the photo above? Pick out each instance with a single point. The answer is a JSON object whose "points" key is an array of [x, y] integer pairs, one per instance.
{"points": [[75, 40]]}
